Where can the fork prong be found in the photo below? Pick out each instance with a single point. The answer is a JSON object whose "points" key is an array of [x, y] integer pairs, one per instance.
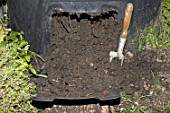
{"points": [[121, 57], [112, 55], [122, 61]]}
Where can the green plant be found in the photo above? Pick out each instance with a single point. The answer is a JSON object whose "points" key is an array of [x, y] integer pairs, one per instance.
{"points": [[4, 10], [3, 31], [166, 11], [166, 109], [16, 89], [132, 106], [158, 37]]}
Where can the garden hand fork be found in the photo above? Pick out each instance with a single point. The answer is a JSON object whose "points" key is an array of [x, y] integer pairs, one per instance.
{"points": [[123, 35]]}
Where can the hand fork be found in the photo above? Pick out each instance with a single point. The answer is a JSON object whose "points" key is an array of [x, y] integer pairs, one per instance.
{"points": [[123, 35]]}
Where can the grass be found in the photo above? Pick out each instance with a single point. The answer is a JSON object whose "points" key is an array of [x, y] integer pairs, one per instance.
{"points": [[158, 36]]}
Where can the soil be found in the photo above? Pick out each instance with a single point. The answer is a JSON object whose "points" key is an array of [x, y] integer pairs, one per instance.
{"points": [[143, 81], [77, 60]]}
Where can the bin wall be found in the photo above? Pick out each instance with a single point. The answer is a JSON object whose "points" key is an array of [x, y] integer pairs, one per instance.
{"points": [[33, 17]]}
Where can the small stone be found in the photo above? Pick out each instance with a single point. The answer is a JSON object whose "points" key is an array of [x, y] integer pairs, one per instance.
{"points": [[130, 54], [91, 64]]}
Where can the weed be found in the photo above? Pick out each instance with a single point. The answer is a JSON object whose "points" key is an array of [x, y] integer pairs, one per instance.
{"points": [[158, 37], [15, 87], [16, 90], [166, 11], [155, 37]]}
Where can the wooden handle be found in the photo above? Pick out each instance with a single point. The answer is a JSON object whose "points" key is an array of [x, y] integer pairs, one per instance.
{"points": [[127, 19]]}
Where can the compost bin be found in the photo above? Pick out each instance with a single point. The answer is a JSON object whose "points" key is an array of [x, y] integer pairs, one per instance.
{"points": [[70, 34], [33, 16]]}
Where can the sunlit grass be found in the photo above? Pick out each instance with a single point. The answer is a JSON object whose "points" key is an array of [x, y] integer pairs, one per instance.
{"points": [[158, 36]]}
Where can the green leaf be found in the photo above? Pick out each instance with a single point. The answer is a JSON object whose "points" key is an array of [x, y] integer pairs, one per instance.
{"points": [[41, 75], [22, 44], [28, 57], [2, 35], [26, 48], [33, 71]]}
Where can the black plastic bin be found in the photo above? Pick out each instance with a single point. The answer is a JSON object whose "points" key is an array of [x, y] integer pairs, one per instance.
{"points": [[34, 18]]}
